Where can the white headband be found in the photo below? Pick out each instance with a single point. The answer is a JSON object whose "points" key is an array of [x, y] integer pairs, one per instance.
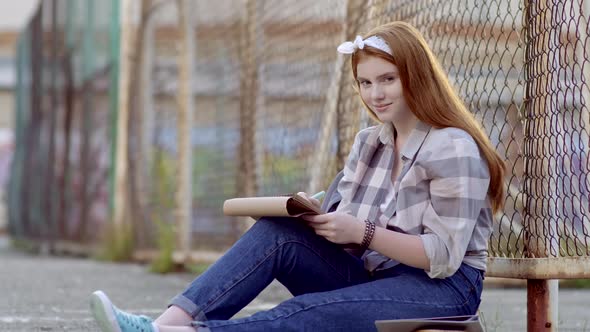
{"points": [[373, 41]]}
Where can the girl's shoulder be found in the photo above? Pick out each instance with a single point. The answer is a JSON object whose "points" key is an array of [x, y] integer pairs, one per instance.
{"points": [[364, 134], [451, 141], [449, 134], [367, 137]]}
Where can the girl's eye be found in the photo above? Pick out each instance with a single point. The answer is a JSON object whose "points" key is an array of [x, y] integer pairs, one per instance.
{"points": [[365, 83], [390, 79]]}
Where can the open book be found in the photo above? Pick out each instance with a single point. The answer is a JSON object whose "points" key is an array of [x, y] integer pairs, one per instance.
{"points": [[468, 323], [270, 206]]}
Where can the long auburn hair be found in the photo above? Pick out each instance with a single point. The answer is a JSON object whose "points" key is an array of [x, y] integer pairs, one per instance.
{"points": [[429, 94]]}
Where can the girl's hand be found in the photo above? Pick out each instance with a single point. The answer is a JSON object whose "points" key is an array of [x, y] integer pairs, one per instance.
{"points": [[337, 227]]}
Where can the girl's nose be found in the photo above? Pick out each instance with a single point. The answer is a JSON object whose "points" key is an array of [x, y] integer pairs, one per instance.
{"points": [[377, 92]]}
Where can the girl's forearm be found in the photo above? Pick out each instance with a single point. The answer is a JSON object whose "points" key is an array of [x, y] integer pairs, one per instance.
{"points": [[404, 248]]}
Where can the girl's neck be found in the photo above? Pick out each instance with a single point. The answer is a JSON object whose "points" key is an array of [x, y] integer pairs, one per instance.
{"points": [[403, 129]]}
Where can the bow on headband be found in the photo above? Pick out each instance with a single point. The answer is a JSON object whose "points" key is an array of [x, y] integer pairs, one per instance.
{"points": [[358, 43]]}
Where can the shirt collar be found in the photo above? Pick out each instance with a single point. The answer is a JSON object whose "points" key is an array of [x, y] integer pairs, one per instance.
{"points": [[417, 137], [386, 133]]}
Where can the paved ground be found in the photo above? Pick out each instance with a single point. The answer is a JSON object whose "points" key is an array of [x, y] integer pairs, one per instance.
{"points": [[40, 293]]}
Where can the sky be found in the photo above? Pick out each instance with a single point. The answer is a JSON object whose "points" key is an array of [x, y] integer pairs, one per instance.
{"points": [[14, 14]]}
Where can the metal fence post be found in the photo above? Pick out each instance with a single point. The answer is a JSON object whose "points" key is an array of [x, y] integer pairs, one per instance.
{"points": [[120, 162], [185, 122], [542, 305], [321, 166], [146, 107], [115, 44], [539, 218], [249, 91]]}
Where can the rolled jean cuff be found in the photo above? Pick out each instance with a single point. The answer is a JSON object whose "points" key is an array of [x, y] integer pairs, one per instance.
{"points": [[189, 307]]}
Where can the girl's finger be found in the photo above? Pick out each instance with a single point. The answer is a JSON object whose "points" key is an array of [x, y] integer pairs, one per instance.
{"points": [[314, 201], [304, 195], [309, 198], [322, 233], [320, 227], [317, 219]]}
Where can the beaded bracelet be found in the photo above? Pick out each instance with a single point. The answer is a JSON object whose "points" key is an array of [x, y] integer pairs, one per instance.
{"points": [[369, 233]]}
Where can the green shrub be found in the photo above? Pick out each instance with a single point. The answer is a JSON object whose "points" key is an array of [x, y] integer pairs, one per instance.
{"points": [[165, 238]]}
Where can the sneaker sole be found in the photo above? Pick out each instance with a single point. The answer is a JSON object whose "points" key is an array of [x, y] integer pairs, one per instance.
{"points": [[102, 310]]}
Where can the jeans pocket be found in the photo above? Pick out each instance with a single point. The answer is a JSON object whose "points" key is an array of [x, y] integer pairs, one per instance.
{"points": [[472, 279], [472, 276]]}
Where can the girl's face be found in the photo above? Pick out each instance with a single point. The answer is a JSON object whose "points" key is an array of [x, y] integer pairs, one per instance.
{"points": [[381, 89]]}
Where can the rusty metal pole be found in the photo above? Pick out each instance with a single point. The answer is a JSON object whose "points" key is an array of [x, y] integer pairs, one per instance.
{"points": [[542, 298], [539, 219]]}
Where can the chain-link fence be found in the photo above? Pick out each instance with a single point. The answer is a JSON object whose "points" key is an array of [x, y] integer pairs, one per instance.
{"points": [[275, 111], [59, 184]]}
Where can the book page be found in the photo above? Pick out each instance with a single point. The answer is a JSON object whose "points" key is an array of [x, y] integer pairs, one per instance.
{"points": [[299, 205]]}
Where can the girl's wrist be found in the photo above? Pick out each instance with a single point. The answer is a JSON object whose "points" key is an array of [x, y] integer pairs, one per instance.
{"points": [[368, 233], [361, 232]]}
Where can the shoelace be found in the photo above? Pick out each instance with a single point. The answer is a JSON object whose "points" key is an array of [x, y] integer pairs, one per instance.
{"points": [[140, 323]]}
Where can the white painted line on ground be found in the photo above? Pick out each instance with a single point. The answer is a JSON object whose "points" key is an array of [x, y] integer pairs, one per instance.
{"points": [[87, 312], [260, 307], [27, 319]]}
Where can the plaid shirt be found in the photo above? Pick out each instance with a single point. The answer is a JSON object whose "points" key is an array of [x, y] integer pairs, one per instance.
{"points": [[440, 194]]}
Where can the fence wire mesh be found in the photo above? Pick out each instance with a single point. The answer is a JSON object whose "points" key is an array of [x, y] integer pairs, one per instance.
{"points": [[276, 110]]}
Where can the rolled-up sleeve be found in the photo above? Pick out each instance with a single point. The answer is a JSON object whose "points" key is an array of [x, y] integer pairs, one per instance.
{"points": [[459, 180]]}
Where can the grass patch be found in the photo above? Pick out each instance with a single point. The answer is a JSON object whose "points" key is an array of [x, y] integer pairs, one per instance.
{"points": [[491, 325], [197, 268], [24, 245], [575, 283]]}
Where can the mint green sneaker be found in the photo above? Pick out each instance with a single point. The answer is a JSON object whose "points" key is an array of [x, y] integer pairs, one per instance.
{"points": [[111, 319]]}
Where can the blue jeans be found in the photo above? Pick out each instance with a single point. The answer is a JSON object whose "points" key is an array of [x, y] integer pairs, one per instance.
{"points": [[332, 290]]}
